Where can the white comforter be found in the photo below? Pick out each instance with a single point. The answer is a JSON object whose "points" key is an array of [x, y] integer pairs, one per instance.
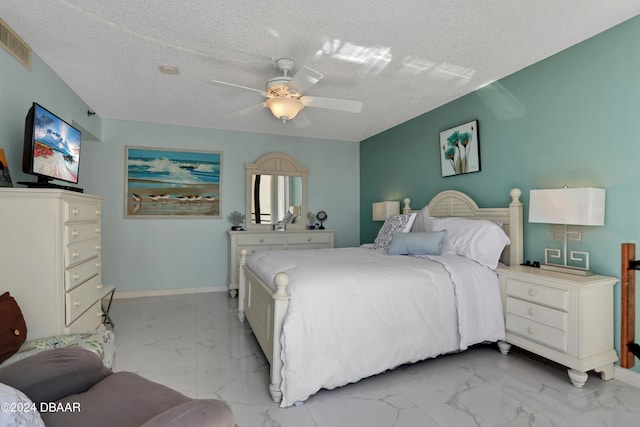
{"points": [[356, 312]]}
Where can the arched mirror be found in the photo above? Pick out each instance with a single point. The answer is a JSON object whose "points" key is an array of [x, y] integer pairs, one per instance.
{"points": [[276, 192]]}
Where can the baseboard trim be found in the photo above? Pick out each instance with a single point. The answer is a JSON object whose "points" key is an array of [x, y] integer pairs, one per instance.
{"points": [[166, 292], [627, 376]]}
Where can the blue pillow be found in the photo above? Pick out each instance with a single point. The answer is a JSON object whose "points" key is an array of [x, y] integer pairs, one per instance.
{"points": [[420, 243]]}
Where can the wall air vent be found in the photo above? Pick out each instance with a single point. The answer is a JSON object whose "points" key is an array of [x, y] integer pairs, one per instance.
{"points": [[15, 45]]}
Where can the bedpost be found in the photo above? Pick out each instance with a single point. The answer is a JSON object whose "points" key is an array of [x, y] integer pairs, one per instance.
{"points": [[407, 205], [281, 304], [516, 250], [241, 284]]}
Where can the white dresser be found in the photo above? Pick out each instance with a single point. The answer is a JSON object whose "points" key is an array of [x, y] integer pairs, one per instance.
{"points": [[50, 258], [563, 317], [256, 241]]}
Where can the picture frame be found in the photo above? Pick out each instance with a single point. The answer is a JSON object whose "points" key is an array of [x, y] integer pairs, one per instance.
{"points": [[459, 148], [5, 176], [172, 183]]}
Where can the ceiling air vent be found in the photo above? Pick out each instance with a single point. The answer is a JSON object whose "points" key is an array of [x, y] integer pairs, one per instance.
{"points": [[15, 45]]}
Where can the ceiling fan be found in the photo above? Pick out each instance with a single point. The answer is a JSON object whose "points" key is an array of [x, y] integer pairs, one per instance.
{"points": [[285, 97]]}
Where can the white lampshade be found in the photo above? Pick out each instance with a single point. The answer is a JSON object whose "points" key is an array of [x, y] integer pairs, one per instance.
{"points": [[570, 206], [383, 210], [284, 108]]}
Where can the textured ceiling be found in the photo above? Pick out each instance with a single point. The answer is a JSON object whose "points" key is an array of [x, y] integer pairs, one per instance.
{"points": [[400, 58]]}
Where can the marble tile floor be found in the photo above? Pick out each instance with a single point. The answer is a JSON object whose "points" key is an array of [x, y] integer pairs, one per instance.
{"points": [[196, 345]]}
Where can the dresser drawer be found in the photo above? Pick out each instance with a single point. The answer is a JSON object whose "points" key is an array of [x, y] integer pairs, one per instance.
{"points": [[89, 320], [310, 238], [275, 238], [81, 251], [253, 249], [78, 211], [538, 313], [75, 232], [534, 331], [545, 295], [79, 299], [80, 273]]}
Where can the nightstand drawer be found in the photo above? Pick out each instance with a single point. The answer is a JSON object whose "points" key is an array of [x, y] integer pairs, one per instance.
{"points": [[81, 251], [534, 331], [548, 316], [545, 295], [78, 211]]}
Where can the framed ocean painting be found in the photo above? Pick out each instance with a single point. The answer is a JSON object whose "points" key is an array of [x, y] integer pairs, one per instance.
{"points": [[172, 183], [460, 149]]}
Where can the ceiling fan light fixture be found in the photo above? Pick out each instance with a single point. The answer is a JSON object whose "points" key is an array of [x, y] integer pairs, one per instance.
{"points": [[284, 108]]}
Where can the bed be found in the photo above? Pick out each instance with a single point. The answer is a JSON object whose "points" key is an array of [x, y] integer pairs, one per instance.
{"points": [[328, 317]]}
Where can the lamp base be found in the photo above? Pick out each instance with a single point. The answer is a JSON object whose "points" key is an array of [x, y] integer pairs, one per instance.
{"points": [[576, 271]]}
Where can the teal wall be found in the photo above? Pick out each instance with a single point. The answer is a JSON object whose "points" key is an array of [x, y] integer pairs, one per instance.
{"points": [[567, 120], [142, 255]]}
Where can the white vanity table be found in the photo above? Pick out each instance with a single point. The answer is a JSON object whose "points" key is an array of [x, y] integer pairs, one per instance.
{"points": [[276, 186], [258, 241]]}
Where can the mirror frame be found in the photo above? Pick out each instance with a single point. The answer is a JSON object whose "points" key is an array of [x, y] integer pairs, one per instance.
{"points": [[275, 164]]}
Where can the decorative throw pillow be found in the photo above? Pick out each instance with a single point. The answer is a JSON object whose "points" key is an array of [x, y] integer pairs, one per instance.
{"points": [[421, 243], [423, 221], [393, 224], [13, 329]]}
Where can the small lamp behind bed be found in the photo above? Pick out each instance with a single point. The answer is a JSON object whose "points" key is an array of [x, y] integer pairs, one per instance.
{"points": [[383, 210], [567, 206]]}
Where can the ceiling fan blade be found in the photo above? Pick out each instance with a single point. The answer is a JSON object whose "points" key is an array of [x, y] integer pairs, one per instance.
{"points": [[332, 103], [226, 84], [246, 111], [301, 120], [304, 79]]}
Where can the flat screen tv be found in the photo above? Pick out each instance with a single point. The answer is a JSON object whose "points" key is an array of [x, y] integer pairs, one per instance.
{"points": [[51, 149]]}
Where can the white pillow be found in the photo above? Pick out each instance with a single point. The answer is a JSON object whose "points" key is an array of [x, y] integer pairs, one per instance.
{"points": [[393, 224], [18, 409], [423, 221], [479, 240]]}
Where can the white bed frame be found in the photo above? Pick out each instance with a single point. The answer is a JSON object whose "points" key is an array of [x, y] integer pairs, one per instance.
{"points": [[265, 309]]}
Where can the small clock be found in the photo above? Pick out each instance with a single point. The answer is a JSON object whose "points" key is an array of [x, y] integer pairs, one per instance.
{"points": [[322, 217]]}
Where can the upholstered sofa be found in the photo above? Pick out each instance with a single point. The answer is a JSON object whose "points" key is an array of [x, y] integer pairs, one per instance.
{"points": [[71, 386]]}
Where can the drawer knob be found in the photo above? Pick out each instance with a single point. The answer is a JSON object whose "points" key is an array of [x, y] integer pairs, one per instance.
{"points": [[75, 233], [261, 240], [531, 311], [531, 330], [75, 254], [532, 292], [75, 211], [308, 239], [76, 276], [76, 303]]}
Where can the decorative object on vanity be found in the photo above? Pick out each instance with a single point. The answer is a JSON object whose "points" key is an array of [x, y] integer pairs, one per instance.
{"points": [[562, 317], [567, 206], [460, 149], [383, 210], [5, 177], [276, 191], [311, 218], [322, 217], [629, 349], [236, 219], [167, 183], [284, 94]]}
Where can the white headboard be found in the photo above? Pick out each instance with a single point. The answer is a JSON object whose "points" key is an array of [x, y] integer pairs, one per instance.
{"points": [[455, 203]]}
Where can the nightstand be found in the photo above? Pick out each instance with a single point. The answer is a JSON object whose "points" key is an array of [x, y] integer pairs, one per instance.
{"points": [[562, 317]]}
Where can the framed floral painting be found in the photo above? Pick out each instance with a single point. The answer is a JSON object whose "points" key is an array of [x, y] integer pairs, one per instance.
{"points": [[460, 149]]}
